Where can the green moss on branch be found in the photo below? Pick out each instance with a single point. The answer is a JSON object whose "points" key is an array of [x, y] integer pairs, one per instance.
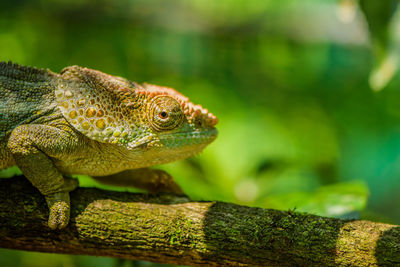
{"points": [[172, 229]]}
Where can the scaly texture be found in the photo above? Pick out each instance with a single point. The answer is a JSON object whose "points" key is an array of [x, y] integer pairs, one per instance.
{"points": [[83, 121], [26, 93]]}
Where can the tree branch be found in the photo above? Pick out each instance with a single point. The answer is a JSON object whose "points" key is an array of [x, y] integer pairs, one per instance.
{"points": [[172, 229]]}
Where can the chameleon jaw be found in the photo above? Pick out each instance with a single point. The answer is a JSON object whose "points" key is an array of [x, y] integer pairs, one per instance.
{"points": [[178, 139]]}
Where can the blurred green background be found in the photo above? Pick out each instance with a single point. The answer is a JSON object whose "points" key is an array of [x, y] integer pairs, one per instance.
{"points": [[307, 93]]}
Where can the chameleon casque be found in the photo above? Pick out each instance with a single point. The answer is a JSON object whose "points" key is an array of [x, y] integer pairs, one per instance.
{"points": [[83, 121]]}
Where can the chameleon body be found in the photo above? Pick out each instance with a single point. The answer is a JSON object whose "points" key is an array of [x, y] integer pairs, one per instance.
{"points": [[83, 121]]}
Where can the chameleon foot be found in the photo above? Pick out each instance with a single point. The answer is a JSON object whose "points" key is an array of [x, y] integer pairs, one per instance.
{"points": [[153, 181], [59, 209], [161, 181]]}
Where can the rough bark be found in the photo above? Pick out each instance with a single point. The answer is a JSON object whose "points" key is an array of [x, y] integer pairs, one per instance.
{"points": [[173, 229]]}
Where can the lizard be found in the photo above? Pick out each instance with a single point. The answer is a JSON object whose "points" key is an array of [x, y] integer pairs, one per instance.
{"points": [[83, 121]]}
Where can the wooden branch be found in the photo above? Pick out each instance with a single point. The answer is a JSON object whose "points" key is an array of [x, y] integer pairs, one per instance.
{"points": [[172, 229]]}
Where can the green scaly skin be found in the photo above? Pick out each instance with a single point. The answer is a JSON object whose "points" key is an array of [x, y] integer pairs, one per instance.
{"points": [[83, 121]]}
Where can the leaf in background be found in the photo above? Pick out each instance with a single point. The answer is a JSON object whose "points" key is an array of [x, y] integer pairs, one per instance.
{"points": [[382, 23], [336, 200]]}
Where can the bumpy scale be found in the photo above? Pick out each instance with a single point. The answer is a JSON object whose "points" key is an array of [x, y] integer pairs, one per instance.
{"points": [[83, 121]]}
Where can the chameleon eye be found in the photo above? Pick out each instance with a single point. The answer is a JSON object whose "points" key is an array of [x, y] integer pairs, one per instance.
{"points": [[165, 113]]}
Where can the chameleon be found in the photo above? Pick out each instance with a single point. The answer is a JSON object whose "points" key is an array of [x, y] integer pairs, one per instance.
{"points": [[85, 122]]}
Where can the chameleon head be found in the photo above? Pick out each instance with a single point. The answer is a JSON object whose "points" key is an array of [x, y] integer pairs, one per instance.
{"points": [[147, 119], [170, 122]]}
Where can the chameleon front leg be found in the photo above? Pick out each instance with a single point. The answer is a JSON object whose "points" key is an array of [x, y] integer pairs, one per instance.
{"points": [[151, 180], [33, 147]]}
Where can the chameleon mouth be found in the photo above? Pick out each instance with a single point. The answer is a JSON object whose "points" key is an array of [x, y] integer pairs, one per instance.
{"points": [[188, 139], [198, 137], [182, 140]]}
